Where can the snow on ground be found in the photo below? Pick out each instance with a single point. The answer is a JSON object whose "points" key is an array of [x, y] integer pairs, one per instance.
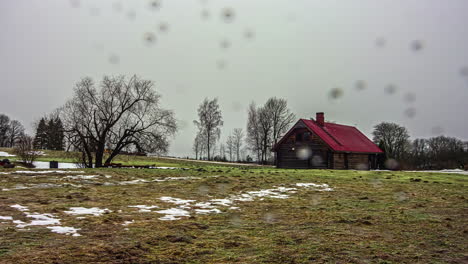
{"points": [[64, 230], [83, 177], [6, 154], [212, 205], [49, 220], [45, 171], [453, 171], [87, 211], [61, 165], [173, 214], [144, 208]]}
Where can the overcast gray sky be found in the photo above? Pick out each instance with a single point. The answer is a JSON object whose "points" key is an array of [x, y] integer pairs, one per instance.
{"points": [[299, 50]]}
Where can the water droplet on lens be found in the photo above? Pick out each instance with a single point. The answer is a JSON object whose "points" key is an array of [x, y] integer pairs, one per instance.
{"points": [[360, 85], [155, 4], [409, 97], [94, 11], [317, 160], [417, 45], [75, 3], [221, 64], [390, 89], [336, 93], [304, 153], [464, 71], [269, 218], [391, 164], [114, 59], [380, 42], [437, 130], [149, 38], [117, 6], [236, 106], [362, 166], [163, 27], [410, 112], [249, 34], [225, 44], [227, 14], [131, 14], [400, 196], [205, 14]]}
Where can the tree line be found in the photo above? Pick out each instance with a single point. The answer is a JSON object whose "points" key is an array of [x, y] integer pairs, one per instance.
{"points": [[11, 131]]}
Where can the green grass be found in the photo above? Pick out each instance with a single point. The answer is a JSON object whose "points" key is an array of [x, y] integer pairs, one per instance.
{"points": [[369, 217]]}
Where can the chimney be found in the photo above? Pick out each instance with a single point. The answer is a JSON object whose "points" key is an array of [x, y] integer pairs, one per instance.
{"points": [[320, 118]]}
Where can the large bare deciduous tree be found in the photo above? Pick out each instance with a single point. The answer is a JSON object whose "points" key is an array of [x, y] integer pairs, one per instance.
{"points": [[238, 137], [209, 123], [392, 138], [123, 113]]}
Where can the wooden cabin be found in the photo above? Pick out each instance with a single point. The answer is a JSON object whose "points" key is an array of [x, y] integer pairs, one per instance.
{"points": [[316, 144]]}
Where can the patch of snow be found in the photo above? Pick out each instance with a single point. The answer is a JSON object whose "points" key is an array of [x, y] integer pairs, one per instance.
{"points": [[453, 171], [144, 208], [61, 165], [207, 211], [6, 218], [46, 171], [223, 202], [108, 176], [4, 173], [176, 200], [64, 230], [87, 211], [319, 187], [173, 214], [40, 219], [126, 223], [84, 177], [206, 205], [137, 181], [38, 153], [6, 154], [20, 207]]}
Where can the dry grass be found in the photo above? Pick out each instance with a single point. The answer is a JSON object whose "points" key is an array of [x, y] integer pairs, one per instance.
{"points": [[370, 217]]}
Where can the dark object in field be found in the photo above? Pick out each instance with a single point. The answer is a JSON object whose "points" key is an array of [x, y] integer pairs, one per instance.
{"points": [[316, 144], [119, 165], [6, 164], [53, 164], [415, 180]]}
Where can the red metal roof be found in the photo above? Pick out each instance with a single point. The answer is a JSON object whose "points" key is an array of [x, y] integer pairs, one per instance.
{"points": [[340, 138]]}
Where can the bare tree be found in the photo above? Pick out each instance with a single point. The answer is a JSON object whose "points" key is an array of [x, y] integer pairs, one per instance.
{"points": [[393, 138], [265, 133], [253, 131], [123, 113], [230, 147], [238, 137], [280, 116], [222, 151], [15, 132], [198, 146], [209, 123], [24, 150]]}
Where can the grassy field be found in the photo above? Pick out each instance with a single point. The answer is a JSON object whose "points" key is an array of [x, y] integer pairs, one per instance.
{"points": [[367, 217]]}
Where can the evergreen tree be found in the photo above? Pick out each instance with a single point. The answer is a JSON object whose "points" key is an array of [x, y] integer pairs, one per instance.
{"points": [[41, 138]]}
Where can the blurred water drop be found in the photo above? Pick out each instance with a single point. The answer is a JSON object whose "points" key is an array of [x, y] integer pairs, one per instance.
{"points": [[149, 38], [391, 164], [410, 112], [205, 14], [362, 166], [417, 45], [225, 44], [203, 189], [155, 4], [360, 85], [409, 97], [249, 34], [376, 183], [236, 106], [304, 153], [94, 11], [75, 3], [336, 93], [400, 196], [464, 71], [317, 160], [437, 130], [131, 14], [221, 64], [390, 89], [117, 6], [235, 219], [380, 42], [315, 199], [227, 14], [163, 27], [114, 59], [222, 187], [269, 217]]}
